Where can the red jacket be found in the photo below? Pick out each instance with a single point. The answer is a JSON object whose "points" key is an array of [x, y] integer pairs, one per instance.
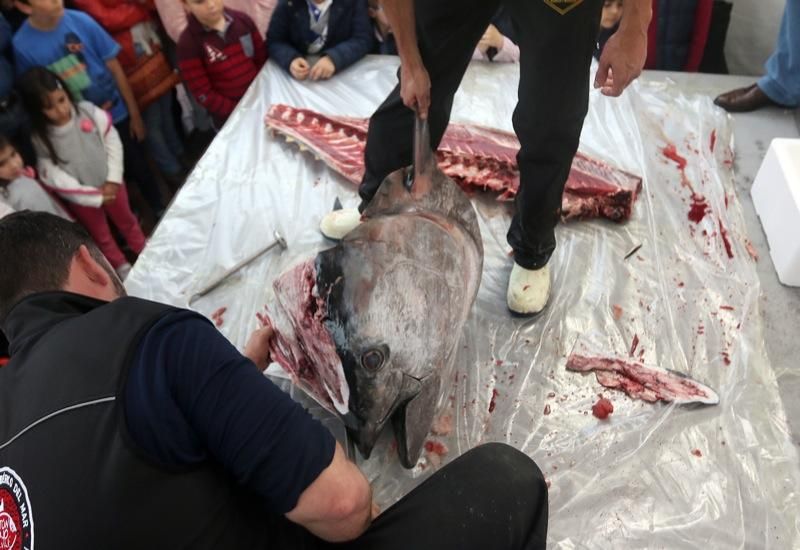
{"points": [[117, 17], [219, 69]]}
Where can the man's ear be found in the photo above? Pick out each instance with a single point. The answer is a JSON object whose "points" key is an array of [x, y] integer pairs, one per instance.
{"points": [[89, 266], [24, 7]]}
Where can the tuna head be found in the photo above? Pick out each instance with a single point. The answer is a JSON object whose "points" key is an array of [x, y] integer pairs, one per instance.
{"points": [[370, 326], [395, 319]]}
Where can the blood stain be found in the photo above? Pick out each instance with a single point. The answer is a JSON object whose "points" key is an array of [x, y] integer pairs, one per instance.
{"points": [[492, 402], [546, 410], [634, 344], [697, 453], [699, 208], [712, 140], [724, 234]]}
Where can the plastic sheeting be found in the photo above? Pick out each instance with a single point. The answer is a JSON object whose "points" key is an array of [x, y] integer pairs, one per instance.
{"points": [[652, 476]]}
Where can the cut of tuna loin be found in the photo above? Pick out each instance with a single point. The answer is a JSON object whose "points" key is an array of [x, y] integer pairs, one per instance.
{"points": [[477, 158]]}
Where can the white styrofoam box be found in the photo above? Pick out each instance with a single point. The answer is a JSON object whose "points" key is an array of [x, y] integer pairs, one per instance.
{"points": [[776, 197]]}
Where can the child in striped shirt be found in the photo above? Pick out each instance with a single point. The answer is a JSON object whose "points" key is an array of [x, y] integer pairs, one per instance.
{"points": [[219, 54]]}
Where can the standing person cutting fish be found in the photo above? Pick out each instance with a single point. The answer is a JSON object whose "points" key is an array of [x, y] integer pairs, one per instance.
{"points": [[132, 424], [556, 40]]}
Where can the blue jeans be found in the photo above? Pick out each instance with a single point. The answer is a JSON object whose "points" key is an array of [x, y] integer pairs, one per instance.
{"points": [[782, 81], [162, 138]]}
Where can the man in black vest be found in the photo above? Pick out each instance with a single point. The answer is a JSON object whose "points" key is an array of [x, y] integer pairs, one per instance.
{"points": [[130, 424]]}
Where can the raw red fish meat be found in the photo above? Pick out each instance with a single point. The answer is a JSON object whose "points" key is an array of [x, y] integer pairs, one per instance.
{"points": [[477, 158], [643, 382], [602, 408]]}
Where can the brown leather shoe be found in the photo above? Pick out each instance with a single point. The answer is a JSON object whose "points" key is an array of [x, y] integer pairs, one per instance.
{"points": [[744, 100]]}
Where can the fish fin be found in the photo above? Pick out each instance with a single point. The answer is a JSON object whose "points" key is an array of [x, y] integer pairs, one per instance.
{"points": [[412, 421], [337, 205]]}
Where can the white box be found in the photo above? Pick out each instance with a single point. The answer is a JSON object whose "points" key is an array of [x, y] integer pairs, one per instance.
{"points": [[776, 197]]}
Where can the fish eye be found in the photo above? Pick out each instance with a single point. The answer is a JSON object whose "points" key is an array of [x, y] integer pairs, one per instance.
{"points": [[373, 359]]}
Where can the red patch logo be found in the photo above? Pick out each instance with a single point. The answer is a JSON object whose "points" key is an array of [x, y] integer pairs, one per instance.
{"points": [[16, 520]]}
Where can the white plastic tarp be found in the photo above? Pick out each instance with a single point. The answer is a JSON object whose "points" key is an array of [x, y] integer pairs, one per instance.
{"points": [[653, 475]]}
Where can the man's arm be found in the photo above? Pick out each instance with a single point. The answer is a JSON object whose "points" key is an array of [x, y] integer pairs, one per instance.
{"points": [[337, 506], [415, 84], [137, 124], [625, 52], [190, 397]]}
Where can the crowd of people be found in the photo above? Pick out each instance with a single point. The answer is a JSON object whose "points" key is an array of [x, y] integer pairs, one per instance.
{"points": [[92, 106]]}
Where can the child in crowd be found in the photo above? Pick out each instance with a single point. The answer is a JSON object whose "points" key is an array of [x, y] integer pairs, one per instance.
{"points": [[219, 55], [132, 25], [609, 23], [81, 159], [76, 48], [382, 30], [498, 43], [174, 16], [13, 122], [18, 188], [316, 38]]}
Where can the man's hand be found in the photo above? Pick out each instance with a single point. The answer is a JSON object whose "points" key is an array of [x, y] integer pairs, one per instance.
{"points": [[299, 68], [492, 38], [138, 131], [623, 58], [415, 88], [109, 191], [323, 69], [257, 348]]}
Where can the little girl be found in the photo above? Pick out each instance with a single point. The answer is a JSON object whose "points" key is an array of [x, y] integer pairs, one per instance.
{"points": [[19, 190], [80, 158]]}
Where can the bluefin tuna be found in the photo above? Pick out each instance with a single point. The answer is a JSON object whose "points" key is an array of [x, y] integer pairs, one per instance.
{"points": [[370, 327]]}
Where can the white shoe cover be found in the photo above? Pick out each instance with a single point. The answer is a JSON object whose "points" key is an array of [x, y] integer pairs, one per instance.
{"points": [[528, 290], [339, 223]]}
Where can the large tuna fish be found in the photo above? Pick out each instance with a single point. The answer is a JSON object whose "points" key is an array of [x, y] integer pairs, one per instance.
{"points": [[370, 327]]}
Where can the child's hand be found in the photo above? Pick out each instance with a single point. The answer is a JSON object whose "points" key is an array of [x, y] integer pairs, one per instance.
{"points": [[109, 191], [257, 348], [299, 68], [322, 69], [138, 131]]}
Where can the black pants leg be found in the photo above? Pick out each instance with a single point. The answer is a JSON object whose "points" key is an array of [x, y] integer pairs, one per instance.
{"points": [[447, 32], [492, 497], [137, 169], [555, 54]]}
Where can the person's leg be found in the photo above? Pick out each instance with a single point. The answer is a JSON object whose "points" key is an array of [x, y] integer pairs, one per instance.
{"points": [[782, 81], [137, 169], [491, 497], [555, 55], [119, 210], [157, 143], [168, 129], [95, 222], [447, 32]]}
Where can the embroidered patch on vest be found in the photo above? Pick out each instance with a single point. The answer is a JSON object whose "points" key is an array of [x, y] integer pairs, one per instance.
{"points": [[562, 6], [16, 518]]}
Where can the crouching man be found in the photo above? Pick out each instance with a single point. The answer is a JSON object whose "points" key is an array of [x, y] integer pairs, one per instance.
{"points": [[131, 424]]}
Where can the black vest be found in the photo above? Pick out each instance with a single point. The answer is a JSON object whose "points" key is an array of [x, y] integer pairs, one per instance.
{"points": [[63, 439]]}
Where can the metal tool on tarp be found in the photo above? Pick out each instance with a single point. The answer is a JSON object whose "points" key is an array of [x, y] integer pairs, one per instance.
{"points": [[279, 241]]}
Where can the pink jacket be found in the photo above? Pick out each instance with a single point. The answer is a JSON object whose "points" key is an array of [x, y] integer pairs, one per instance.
{"points": [[173, 16]]}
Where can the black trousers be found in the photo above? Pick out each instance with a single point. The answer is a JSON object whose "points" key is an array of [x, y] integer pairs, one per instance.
{"points": [[492, 497], [555, 54], [137, 170]]}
